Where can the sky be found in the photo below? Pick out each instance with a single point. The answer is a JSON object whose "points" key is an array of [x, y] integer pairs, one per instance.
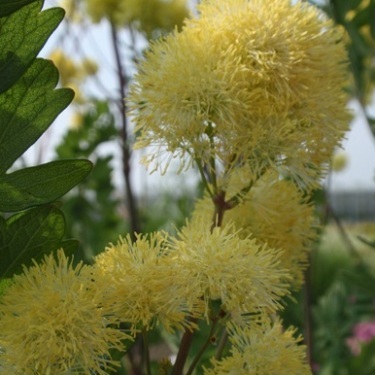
{"points": [[359, 146]]}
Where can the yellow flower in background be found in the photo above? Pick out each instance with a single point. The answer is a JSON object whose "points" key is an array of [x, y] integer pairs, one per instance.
{"points": [[72, 10], [262, 349], [339, 161], [248, 80], [68, 69], [155, 17], [142, 283], [76, 121], [222, 266], [115, 10], [152, 17], [72, 73], [51, 322], [90, 66]]}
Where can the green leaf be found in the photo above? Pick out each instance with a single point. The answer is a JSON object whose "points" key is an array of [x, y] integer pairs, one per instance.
{"points": [[370, 243], [70, 246], [23, 34], [41, 184], [27, 110], [10, 6], [30, 235]]}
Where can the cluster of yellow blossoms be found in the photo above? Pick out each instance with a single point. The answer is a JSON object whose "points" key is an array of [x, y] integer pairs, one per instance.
{"points": [[58, 319], [251, 93], [73, 73], [151, 17], [51, 322], [255, 82]]}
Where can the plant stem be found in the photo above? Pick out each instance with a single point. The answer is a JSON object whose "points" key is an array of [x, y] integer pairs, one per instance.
{"points": [[203, 177], [126, 172], [183, 352], [126, 152], [222, 343], [308, 318], [220, 207], [203, 348], [146, 351]]}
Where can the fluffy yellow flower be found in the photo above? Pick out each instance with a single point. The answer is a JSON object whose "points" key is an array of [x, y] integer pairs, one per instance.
{"points": [[141, 283], [262, 349], [51, 322], [254, 81], [275, 213], [221, 266]]}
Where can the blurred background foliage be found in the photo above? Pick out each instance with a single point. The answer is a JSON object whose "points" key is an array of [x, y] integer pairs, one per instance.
{"points": [[336, 309]]}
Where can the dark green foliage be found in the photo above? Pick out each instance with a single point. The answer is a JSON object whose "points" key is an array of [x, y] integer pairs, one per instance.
{"points": [[342, 290], [166, 211], [31, 234], [92, 210], [8, 7], [23, 34], [347, 302], [361, 31], [41, 184], [27, 110], [29, 103], [358, 19]]}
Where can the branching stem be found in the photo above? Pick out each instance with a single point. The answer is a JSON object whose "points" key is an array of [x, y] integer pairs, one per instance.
{"points": [[146, 351], [126, 152], [203, 348]]}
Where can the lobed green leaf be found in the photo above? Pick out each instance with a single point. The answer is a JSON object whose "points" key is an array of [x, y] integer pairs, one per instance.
{"points": [[27, 110], [41, 184], [23, 34], [29, 236]]}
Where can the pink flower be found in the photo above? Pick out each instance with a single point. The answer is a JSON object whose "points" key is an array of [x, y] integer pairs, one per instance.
{"points": [[363, 332]]}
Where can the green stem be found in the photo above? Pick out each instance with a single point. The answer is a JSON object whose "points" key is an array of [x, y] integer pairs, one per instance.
{"points": [[223, 341], [213, 173], [146, 350], [203, 177], [212, 161], [203, 348], [308, 317], [234, 201]]}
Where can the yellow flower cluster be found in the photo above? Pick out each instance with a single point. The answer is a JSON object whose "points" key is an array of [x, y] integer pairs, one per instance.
{"points": [[73, 74], [167, 280], [262, 349], [148, 16], [52, 321], [250, 81], [243, 275], [57, 318], [142, 283], [274, 212]]}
